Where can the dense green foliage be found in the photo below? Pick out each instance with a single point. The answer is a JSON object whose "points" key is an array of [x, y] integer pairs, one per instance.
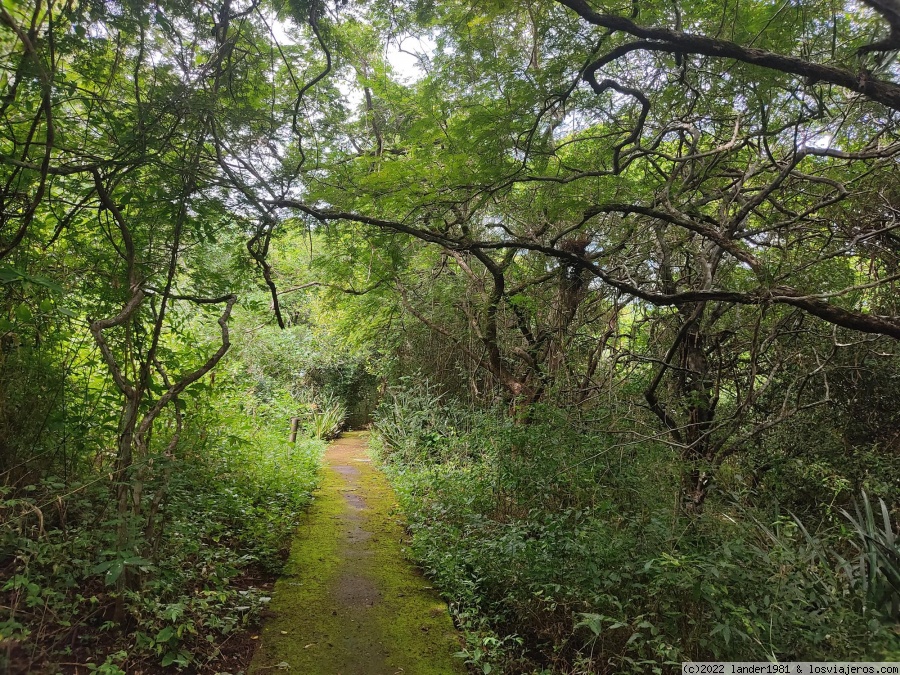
{"points": [[220, 510], [645, 255], [561, 550], [231, 507]]}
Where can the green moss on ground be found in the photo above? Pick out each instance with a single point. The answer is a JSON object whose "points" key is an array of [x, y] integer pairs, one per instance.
{"points": [[349, 601]]}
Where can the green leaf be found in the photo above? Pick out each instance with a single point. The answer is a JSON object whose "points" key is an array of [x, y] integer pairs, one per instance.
{"points": [[165, 634], [114, 572], [594, 622], [46, 283], [23, 314], [724, 629], [8, 274], [138, 561]]}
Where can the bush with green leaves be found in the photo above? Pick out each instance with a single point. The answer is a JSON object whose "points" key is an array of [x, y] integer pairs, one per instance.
{"points": [[327, 417], [235, 493], [418, 423], [561, 550]]}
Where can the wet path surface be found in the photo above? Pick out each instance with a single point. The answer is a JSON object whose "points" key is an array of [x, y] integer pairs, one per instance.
{"points": [[349, 602]]}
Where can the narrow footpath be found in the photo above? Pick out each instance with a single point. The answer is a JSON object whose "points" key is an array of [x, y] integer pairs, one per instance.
{"points": [[349, 602]]}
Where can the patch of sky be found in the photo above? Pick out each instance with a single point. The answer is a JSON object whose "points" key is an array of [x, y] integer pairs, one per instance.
{"points": [[410, 56]]}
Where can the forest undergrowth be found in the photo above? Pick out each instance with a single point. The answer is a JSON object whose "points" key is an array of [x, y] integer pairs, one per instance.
{"points": [[208, 535], [201, 584], [561, 549]]}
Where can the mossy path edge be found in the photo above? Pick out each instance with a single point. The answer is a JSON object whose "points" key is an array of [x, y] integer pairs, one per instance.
{"points": [[349, 602]]}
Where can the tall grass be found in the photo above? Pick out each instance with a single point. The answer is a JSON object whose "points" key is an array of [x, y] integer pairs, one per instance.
{"points": [[877, 567]]}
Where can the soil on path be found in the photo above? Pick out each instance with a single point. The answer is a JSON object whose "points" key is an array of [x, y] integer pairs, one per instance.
{"points": [[349, 602]]}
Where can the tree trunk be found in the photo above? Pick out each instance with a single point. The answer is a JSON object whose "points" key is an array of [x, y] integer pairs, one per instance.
{"points": [[124, 460], [695, 390]]}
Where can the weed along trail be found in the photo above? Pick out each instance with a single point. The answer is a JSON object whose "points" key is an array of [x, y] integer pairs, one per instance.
{"points": [[349, 603]]}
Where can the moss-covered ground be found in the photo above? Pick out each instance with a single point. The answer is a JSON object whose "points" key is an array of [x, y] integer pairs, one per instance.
{"points": [[349, 602]]}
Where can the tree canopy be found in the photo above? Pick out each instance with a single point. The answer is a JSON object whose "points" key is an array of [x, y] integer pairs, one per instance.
{"points": [[685, 212]]}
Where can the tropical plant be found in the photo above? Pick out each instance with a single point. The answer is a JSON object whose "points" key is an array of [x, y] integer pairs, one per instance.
{"points": [[327, 418], [877, 567]]}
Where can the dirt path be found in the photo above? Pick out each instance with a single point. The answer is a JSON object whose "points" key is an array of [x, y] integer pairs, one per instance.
{"points": [[349, 602]]}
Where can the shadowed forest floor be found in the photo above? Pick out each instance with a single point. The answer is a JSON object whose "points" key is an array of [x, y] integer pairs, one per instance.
{"points": [[349, 602]]}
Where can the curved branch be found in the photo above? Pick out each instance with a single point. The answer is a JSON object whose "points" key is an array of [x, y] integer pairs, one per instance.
{"points": [[812, 304], [194, 375], [886, 93], [890, 12], [314, 24]]}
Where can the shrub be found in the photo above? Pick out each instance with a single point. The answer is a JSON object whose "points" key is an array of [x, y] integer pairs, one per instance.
{"points": [[235, 494], [560, 550], [327, 418]]}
